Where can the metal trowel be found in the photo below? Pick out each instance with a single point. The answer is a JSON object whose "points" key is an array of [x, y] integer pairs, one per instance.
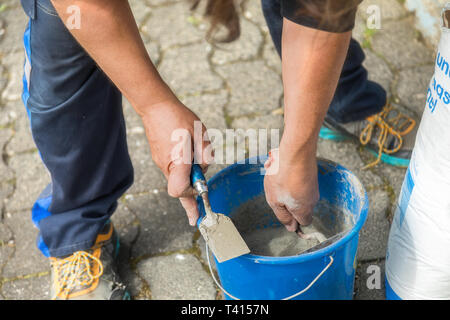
{"points": [[218, 230]]}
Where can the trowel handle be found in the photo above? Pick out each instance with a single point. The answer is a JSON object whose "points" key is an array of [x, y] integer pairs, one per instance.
{"points": [[198, 179]]}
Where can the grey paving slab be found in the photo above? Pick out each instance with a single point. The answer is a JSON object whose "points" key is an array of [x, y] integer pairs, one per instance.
{"points": [[413, 85], [169, 25], [35, 288], [163, 225], [22, 140], [15, 21], [27, 259], [379, 71], [6, 245], [5, 171], [3, 78], [400, 44], [141, 11], [177, 276], [9, 112], [369, 283], [270, 54], [126, 225], [153, 48], [186, 69], [209, 108], [31, 178], [254, 88], [14, 64], [246, 47], [252, 11]]}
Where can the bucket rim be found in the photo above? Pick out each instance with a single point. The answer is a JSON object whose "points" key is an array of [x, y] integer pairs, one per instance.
{"points": [[327, 251]]}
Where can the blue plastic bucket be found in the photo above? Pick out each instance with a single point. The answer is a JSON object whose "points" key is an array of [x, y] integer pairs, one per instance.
{"points": [[328, 273]]}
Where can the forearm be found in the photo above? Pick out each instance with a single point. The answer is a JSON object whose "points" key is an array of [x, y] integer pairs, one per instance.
{"points": [[110, 36], [312, 64]]}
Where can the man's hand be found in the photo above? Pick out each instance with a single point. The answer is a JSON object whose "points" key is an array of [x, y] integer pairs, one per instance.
{"points": [[312, 62], [109, 34], [291, 188], [169, 127]]}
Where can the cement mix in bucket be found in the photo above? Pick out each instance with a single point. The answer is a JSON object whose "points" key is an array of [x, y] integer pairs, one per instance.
{"points": [[265, 236]]}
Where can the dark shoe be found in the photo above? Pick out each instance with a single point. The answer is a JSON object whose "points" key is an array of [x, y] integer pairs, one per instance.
{"points": [[91, 274], [390, 135]]}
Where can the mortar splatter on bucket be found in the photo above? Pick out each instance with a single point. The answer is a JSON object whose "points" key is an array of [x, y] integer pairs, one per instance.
{"points": [[328, 273]]}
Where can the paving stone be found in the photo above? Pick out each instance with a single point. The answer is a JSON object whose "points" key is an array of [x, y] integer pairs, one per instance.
{"points": [[22, 140], [27, 259], [6, 244], [15, 21], [140, 11], [379, 71], [359, 29], [9, 113], [202, 246], [169, 25], [152, 49], [162, 2], [413, 85], [163, 224], [345, 153], [270, 54], [6, 173], [31, 178], [252, 11], [14, 64], [366, 272], [177, 276], [246, 47], [35, 288], [3, 78], [126, 225], [2, 29], [398, 43], [274, 124], [209, 108], [186, 69], [255, 88], [375, 233]]}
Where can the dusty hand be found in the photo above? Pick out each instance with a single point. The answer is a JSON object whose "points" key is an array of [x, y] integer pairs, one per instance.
{"points": [[169, 128], [291, 188]]}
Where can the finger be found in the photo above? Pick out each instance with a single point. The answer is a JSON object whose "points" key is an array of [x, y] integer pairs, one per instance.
{"points": [[179, 181], [285, 217], [303, 216], [190, 206], [203, 151]]}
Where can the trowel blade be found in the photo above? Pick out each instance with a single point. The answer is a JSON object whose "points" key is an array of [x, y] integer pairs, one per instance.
{"points": [[223, 238], [326, 243]]}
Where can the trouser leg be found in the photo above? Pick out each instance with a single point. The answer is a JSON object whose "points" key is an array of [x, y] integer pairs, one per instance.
{"points": [[78, 126]]}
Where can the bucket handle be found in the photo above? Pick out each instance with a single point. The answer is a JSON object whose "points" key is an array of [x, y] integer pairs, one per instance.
{"points": [[287, 298]]}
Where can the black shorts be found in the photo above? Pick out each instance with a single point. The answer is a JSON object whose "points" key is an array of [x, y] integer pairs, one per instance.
{"points": [[326, 15]]}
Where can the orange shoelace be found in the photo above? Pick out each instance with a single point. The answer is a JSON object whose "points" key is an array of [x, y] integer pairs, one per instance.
{"points": [[390, 122], [81, 269]]}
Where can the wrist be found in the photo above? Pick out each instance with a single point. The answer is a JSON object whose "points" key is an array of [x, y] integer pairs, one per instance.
{"points": [[296, 152]]}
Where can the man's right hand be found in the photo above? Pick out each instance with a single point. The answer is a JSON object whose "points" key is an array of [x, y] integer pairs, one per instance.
{"points": [[169, 127]]}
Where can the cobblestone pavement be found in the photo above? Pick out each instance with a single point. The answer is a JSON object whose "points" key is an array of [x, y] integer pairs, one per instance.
{"points": [[234, 85]]}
